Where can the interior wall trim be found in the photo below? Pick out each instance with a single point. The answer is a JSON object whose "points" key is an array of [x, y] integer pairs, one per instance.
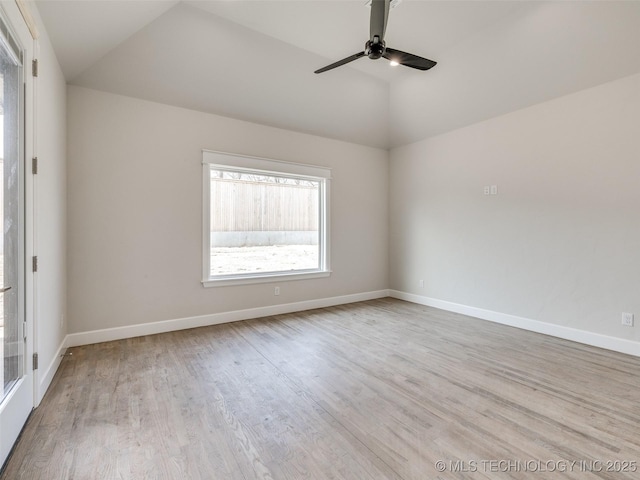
{"points": [[46, 378], [130, 331], [581, 336]]}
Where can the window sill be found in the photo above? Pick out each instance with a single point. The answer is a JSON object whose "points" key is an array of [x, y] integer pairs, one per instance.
{"points": [[231, 280]]}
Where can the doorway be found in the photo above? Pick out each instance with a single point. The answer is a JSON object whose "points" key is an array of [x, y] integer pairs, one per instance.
{"points": [[16, 374]]}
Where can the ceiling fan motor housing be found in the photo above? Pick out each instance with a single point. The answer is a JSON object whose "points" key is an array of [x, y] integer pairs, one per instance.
{"points": [[374, 50]]}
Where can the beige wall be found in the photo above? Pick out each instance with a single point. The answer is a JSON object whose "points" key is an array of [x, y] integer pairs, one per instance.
{"points": [[135, 211], [560, 243], [50, 216]]}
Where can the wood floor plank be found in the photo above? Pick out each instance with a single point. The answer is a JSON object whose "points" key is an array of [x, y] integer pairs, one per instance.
{"points": [[383, 389]]}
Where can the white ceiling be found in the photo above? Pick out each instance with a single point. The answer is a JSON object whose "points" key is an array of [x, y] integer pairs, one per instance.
{"points": [[82, 31], [253, 60]]}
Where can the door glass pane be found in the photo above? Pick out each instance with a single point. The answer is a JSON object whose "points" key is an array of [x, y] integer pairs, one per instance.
{"points": [[11, 327]]}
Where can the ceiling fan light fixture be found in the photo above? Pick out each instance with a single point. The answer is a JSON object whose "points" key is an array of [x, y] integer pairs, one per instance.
{"points": [[376, 46]]}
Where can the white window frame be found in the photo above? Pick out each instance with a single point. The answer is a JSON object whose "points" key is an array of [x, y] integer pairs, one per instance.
{"points": [[230, 161]]}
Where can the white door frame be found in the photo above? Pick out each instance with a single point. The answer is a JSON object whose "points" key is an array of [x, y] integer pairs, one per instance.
{"points": [[15, 409]]}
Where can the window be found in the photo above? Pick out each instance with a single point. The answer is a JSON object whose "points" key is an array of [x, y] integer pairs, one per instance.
{"points": [[264, 220]]}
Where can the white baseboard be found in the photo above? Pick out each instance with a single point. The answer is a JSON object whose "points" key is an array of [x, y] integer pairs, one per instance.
{"points": [[130, 331], [47, 376], [581, 336]]}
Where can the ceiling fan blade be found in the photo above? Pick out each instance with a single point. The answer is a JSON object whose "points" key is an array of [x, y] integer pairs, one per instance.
{"points": [[408, 59], [379, 17], [341, 62]]}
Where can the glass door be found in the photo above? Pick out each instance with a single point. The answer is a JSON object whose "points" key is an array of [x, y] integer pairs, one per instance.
{"points": [[11, 321], [16, 379]]}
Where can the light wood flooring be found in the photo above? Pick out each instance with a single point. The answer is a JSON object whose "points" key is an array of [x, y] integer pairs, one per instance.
{"points": [[376, 390]]}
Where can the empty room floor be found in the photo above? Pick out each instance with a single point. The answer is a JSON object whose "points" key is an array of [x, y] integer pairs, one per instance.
{"points": [[383, 389]]}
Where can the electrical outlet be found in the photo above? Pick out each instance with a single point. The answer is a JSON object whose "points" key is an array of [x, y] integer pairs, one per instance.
{"points": [[627, 319], [276, 291], [421, 283], [487, 190]]}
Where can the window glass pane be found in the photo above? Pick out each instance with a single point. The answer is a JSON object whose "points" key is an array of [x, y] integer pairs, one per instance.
{"points": [[263, 223]]}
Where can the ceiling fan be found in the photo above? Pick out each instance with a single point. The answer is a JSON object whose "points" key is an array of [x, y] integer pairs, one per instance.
{"points": [[375, 46]]}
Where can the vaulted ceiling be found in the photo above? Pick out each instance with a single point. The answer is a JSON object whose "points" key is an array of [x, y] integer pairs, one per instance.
{"points": [[254, 60]]}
